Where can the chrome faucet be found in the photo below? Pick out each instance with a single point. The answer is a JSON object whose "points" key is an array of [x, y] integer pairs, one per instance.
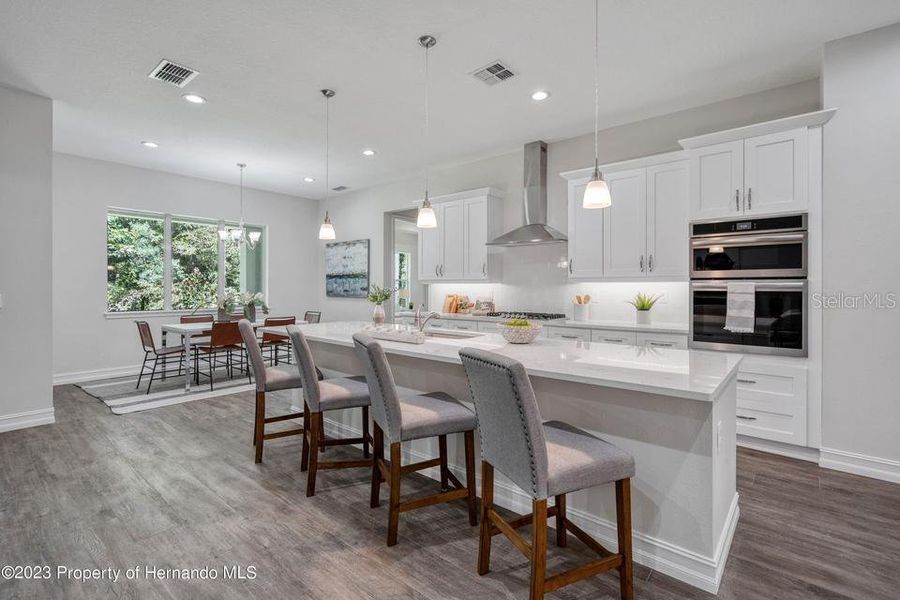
{"points": [[419, 323]]}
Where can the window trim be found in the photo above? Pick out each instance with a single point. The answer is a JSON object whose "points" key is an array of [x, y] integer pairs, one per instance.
{"points": [[167, 219]]}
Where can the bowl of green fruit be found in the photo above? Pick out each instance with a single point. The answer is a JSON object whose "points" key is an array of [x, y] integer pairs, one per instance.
{"points": [[519, 331]]}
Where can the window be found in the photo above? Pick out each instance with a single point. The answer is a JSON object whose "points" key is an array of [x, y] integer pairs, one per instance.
{"points": [[161, 262]]}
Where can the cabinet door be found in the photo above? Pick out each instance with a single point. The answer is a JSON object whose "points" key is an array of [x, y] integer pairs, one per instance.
{"points": [[476, 231], [568, 333], [775, 173], [585, 236], [430, 249], [667, 220], [625, 225], [453, 241], [613, 336], [662, 340], [717, 180]]}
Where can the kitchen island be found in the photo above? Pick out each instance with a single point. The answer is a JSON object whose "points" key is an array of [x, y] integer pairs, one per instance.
{"points": [[672, 409]]}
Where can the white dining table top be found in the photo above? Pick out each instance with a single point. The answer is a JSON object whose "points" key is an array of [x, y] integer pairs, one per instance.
{"points": [[195, 328]]}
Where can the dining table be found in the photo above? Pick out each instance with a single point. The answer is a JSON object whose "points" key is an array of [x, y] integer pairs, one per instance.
{"points": [[191, 334]]}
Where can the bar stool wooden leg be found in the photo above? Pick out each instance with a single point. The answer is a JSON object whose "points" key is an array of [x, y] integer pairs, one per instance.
{"points": [[377, 458], [365, 431], [445, 470], [623, 527], [315, 424], [487, 505], [304, 457], [538, 548], [560, 504], [394, 515], [260, 424], [469, 438]]}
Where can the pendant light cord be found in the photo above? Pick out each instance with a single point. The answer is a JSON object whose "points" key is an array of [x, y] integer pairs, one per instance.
{"points": [[326, 149], [596, 85], [426, 119]]}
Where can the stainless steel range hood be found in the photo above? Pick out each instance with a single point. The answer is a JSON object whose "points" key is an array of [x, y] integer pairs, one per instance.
{"points": [[534, 196]]}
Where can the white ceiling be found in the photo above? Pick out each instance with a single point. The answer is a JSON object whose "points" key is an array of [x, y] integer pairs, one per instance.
{"points": [[262, 63]]}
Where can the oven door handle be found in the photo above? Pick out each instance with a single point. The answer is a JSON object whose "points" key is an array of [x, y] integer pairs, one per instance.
{"points": [[760, 286], [747, 240]]}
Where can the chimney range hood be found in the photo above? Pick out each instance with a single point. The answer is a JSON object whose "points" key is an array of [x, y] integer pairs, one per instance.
{"points": [[534, 196]]}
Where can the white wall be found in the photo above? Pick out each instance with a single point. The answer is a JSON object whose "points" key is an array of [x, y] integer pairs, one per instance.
{"points": [[533, 277], [26, 146], [861, 220], [85, 338]]}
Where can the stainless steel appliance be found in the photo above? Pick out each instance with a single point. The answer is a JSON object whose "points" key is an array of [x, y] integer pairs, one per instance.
{"points": [[771, 252], [763, 248], [532, 316]]}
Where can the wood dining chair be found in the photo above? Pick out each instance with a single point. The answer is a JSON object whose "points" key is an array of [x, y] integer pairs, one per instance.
{"points": [[312, 316], [224, 342], [151, 352], [278, 345]]}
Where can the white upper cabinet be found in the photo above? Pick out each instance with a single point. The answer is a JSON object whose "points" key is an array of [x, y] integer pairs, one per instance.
{"points": [[455, 250], [644, 233], [625, 225], [775, 172], [585, 235], [717, 180], [755, 175], [667, 220]]}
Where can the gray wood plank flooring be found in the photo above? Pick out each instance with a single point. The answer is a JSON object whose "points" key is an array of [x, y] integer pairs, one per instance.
{"points": [[177, 487]]}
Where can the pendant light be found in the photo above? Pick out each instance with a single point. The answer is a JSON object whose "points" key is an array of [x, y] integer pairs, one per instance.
{"points": [[426, 218], [239, 235], [326, 230], [596, 194]]}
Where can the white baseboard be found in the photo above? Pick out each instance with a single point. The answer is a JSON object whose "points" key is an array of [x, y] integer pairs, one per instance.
{"points": [[31, 418], [80, 376], [685, 565], [780, 448], [860, 464]]}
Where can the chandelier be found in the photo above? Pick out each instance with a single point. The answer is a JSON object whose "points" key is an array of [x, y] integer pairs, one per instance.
{"points": [[239, 235]]}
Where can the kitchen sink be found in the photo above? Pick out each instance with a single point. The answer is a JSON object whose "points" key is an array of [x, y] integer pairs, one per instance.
{"points": [[453, 335]]}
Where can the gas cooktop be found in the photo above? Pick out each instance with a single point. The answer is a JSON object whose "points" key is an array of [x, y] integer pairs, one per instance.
{"points": [[535, 316]]}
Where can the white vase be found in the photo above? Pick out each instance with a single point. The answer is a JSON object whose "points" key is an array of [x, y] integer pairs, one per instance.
{"points": [[378, 315], [643, 317]]}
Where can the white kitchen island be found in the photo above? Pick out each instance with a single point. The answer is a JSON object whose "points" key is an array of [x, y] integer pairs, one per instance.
{"points": [[672, 409]]}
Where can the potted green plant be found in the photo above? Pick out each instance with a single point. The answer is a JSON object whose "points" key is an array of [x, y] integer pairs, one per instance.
{"points": [[250, 302], [378, 296], [642, 304]]}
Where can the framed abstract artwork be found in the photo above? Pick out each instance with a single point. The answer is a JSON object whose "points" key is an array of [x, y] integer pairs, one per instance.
{"points": [[347, 269]]}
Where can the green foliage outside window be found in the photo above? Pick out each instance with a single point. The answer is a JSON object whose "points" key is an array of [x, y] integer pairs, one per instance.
{"points": [[134, 263]]}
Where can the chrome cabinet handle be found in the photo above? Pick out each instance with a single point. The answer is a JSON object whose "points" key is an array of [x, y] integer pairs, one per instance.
{"points": [[484, 269], [737, 200], [571, 262], [749, 198], [744, 418], [436, 274], [750, 381], [617, 340], [650, 263], [661, 344], [441, 270], [569, 337], [642, 263]]}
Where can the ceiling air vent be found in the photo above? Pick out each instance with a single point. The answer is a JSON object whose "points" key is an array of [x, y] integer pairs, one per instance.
{"points": [[173, 73], [493, 73], [340, 188]]}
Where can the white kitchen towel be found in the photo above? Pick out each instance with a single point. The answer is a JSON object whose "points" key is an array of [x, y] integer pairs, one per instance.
{"points": [[740, 314]]}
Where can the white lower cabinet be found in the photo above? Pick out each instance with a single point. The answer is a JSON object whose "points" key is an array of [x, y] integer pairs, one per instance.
{"points": [[772, 400], [488, 326], [463, 325], [662, 340], [613, 336], [568, 333]]}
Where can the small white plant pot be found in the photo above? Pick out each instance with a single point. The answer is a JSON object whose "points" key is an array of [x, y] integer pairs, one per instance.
{"points": [[642, 317], [582, 311]]}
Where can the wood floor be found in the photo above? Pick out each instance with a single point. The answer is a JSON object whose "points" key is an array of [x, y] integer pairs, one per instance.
{"points": [[176, 487]]}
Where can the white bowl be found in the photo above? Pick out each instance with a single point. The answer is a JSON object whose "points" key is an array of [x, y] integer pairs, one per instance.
{"points": [[520, 335]]}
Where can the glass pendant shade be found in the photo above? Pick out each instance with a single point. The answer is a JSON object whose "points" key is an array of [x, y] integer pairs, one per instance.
{"points": [[253, 237], [426, 218], [596, 194], [326, 230]]}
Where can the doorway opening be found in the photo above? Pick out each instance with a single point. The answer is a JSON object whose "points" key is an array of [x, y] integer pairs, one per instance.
{"points": [[402, 263]]}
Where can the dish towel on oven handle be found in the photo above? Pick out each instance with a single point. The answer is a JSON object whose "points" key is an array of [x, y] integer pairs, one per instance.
{"points": [[740, 315]]}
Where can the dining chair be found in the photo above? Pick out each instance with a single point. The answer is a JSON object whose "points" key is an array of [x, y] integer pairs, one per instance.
{"points": [[543, 459], [312, 316], [276, 342], [162, 353], [225, 338], [413, 417]]}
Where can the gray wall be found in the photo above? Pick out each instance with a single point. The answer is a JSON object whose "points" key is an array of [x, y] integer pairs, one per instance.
{"points": [[26, 146], [359, 214], [861, 214]]}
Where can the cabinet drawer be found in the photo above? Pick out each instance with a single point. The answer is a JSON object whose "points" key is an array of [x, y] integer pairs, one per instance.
{"points": [[488, 326], [774, 394], [568, 333], [612, 336], [464, 325], [662, 340]]}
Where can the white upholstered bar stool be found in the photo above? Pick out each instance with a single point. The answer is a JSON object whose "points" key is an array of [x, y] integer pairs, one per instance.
{"points": [[339, 393], [543, 459], [407, 418]]}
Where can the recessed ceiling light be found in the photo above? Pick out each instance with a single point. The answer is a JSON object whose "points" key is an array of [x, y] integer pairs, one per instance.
{"points": [[368, 152], [149, 144], [540, 95], [309, 179], [194, 98]]}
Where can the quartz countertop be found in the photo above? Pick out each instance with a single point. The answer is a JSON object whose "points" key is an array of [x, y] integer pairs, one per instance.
{"points": [[690, 374], [661, 327]]}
